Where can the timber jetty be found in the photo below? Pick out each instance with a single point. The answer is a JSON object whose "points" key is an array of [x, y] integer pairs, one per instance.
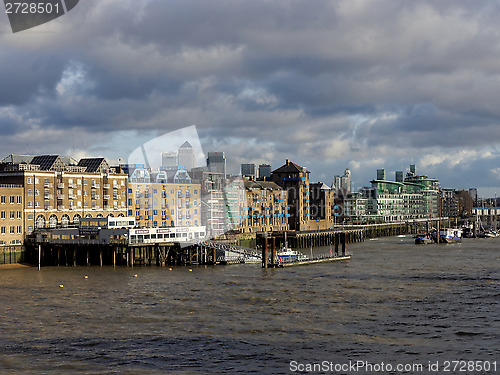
{"points": [[94, 242]]}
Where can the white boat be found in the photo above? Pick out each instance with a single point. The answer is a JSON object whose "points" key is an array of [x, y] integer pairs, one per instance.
{"points": [[286, 254], [450, 235]]}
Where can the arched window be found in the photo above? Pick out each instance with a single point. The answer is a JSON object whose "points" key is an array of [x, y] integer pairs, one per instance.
{"points": [[40, 221], [76, 219], [65, 221], [52, 221]]}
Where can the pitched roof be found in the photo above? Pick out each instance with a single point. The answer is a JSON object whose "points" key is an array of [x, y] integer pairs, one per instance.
{"points": [[18, 158], [320, 185], [261, 185], [94, 164], [48, 162], [186, 145], [289, 167]]}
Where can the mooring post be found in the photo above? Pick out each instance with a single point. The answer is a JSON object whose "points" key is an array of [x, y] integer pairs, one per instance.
{"points": [[264, 253], [273, 252], [39, 256], [100, 257], [343, 243]]}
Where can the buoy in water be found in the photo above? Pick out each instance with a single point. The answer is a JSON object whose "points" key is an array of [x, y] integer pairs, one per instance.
{"points": [[61, 286], [86, 277]]}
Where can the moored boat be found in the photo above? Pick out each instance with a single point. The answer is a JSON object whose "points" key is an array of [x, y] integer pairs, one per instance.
{"points": [[450, 235], [423, 239], [286, 254]]}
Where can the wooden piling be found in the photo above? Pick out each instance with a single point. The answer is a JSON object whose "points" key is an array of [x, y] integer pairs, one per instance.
{"points": [[273, 252], [264, 253]]}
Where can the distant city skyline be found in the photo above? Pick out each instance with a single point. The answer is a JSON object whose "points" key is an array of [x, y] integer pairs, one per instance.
{"points": [[332, 85]]}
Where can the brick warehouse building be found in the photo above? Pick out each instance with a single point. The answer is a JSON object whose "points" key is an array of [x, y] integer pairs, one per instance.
{"points": [[57, 191]]}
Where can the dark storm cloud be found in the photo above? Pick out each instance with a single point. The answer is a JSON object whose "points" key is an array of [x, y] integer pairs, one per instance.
{"points": [[337, 82]]}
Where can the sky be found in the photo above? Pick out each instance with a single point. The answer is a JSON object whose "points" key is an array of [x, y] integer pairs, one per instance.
{"points": [[359, 84]]}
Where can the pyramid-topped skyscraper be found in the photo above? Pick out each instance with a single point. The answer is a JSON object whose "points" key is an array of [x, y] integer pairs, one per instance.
{"points": [[185, 156]]}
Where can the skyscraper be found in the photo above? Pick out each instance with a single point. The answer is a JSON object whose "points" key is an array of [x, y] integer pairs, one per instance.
{"points": [[381, 174], [216, 162], [169, 159], [249, 170], [342, 183], [185, 156], [264, 171]]}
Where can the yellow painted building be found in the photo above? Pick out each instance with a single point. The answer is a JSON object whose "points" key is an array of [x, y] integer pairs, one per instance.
{"points": [[11, 214], [57, 195], [159, 204]]}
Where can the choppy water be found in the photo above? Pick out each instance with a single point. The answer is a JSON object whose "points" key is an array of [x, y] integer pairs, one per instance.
{"points": [[393, 302]]}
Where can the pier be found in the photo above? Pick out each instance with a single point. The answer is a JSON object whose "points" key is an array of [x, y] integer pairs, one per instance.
{"points": [[187, 246], [116, 247], [337, 240]]}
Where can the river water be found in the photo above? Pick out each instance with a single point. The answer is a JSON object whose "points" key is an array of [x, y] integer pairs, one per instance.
{"points": [[394, 303]]}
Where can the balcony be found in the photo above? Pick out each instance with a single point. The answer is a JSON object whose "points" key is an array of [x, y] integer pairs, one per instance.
{"points": [[106, 196], [115, 186], [106, 186], [60, 207], [95, 186], [60, 196], [94, 197], [60, 185]]}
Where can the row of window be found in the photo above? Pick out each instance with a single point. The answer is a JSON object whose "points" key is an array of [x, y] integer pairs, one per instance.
{"points": [[154, 224], [155, 191], [71, 195], [72, 205], [71, 182], [12, 242], [13, 199], [13, 228], [13, 215]]}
